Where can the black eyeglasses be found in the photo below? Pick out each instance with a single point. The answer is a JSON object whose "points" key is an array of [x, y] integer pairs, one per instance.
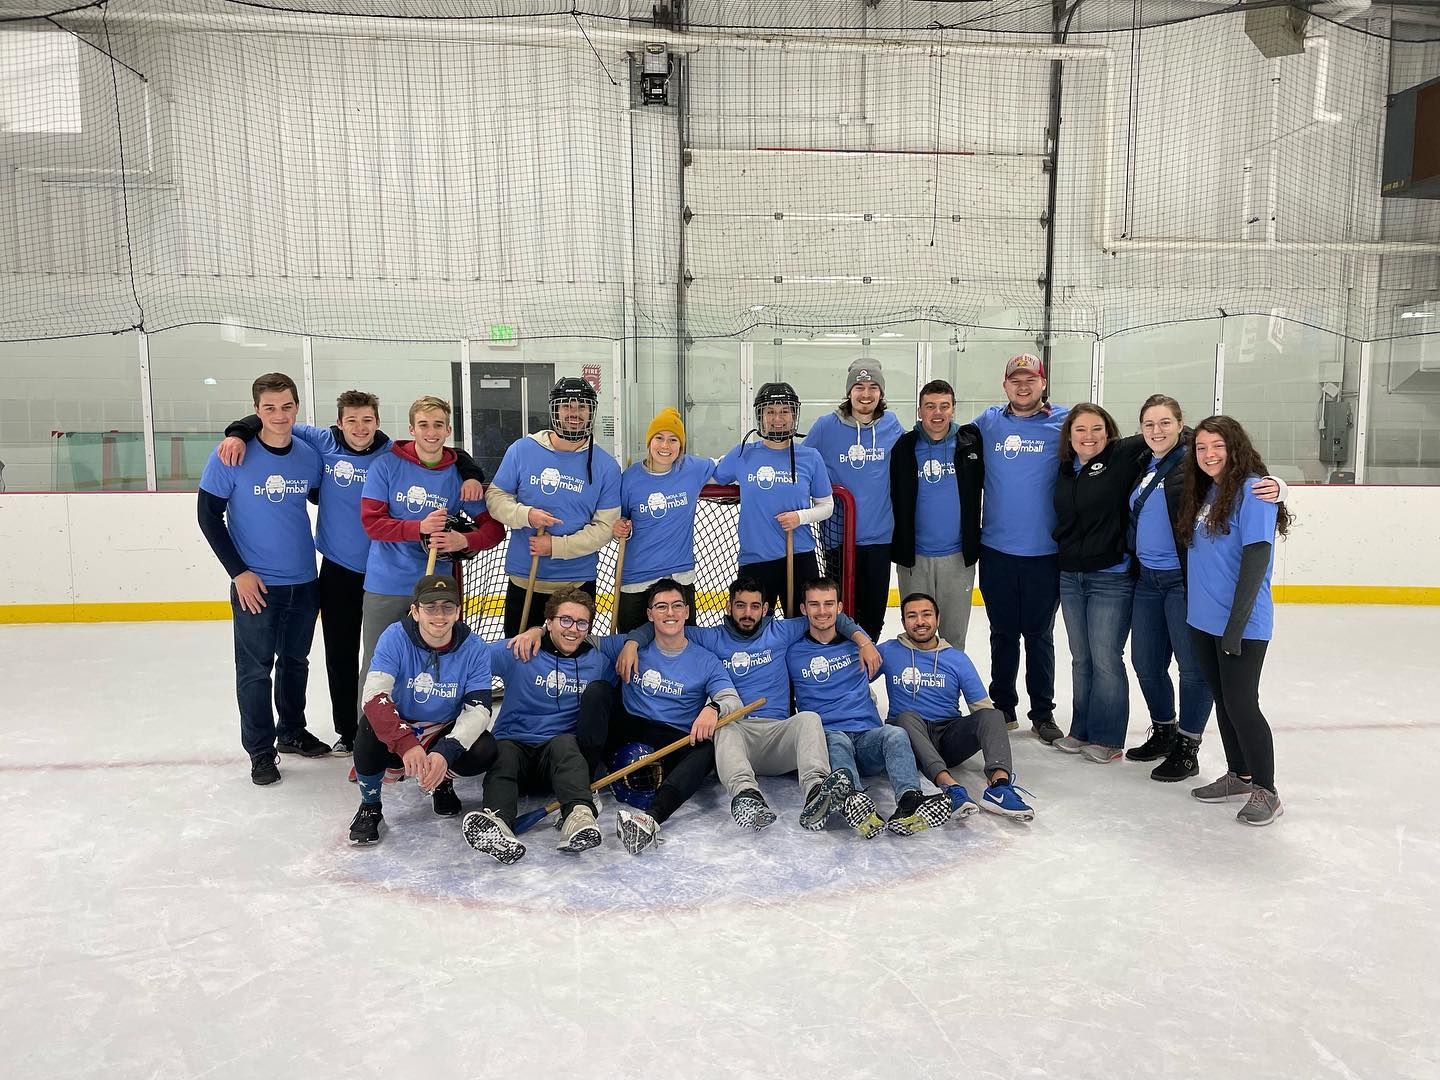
{"points": [[569, 622]]}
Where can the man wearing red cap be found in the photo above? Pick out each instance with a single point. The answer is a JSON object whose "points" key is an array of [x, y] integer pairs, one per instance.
{"points": [[1019, 561]]}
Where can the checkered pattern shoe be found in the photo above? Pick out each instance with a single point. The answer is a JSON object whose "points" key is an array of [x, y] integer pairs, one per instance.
{"points": [[861, 815], [916, 813]]}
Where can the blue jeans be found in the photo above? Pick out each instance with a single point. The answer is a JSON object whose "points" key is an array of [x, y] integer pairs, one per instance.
{"points": [[1157, 632], [1096, 607], [279, 639], [865, 753]]}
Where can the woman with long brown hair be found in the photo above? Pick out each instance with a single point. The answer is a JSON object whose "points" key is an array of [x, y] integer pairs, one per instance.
{"points": [[1230, 534]]}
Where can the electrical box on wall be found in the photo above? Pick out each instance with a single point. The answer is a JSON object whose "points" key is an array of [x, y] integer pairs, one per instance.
{"points": [[1410, 168]]}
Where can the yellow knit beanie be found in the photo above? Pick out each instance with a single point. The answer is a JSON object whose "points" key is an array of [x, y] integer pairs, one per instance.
{"points": [[666, 420]]}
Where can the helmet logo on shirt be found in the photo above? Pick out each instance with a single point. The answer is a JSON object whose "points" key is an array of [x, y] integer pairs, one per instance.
{"points": [[765, 476], [856, 454], [739, 663], [423, 685], [555, 683], [1011, 447], [909, 678], [657, 504], [549, 481], [415, 498], [650, 681], [344, 473], [275, 487], [819, 668], [1096, 468], [932, 470]]}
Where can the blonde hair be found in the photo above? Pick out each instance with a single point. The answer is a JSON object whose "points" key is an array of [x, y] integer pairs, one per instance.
{"points": [[429, 403]]}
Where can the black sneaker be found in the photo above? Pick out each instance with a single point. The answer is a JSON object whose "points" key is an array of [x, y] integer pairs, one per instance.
{"points": [[1046, 730], [1011, 720], [365, 825], [915, 813], [824, 799], [342, 747], [305, 744], [750, 810], [1181, 763], [1158, 745], [263, 769], [444, 799]]}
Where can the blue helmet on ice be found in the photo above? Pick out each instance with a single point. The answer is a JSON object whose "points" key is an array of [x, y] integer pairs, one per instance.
{"points": [[638, 789]]}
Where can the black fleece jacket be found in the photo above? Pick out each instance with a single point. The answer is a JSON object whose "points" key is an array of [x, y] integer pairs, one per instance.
{"points": [[1092, 507], [905, 490]]}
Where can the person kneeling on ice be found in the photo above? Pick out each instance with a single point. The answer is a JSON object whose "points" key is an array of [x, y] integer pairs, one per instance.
{"points": [[829, 678], [425, 706], [751, 646], [550, 732], [927, 678]]}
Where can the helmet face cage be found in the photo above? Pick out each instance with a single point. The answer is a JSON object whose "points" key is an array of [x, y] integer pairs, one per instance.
{"points": [[638, 789], [777, 394], [564, 422]]}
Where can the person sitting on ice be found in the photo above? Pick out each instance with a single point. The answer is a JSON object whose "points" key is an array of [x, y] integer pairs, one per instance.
{"points": [[926, 679], [426, 706], [829, 678], [751, 646], [550, 732]]}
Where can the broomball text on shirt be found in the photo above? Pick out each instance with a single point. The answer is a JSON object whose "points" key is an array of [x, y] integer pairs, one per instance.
{"points": [[276, 487]]}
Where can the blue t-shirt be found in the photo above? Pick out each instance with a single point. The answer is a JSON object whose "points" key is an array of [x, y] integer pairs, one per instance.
{"points": [[767, 487], [430, 688], [671, 689], [930, 683], [1213, 567], [1022, 456], [542, 694], [662, 510], [1154, 538], [937, 498], [858, 459], [339, 534], [413, 493], [830, 680], [555, 481], [755, 664], [266, 509]]}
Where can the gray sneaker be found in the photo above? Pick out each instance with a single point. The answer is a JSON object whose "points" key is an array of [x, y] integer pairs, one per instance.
{"points": [[1069, 744], [1101, 754], [1263, 808], [1226, 788]]}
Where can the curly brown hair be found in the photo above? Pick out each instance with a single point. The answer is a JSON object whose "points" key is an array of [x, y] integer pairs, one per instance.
{"points": [[1242, 461], [569, 596]]}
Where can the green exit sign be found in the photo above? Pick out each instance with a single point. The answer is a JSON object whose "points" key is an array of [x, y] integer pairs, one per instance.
{"points": [[502, 334]]}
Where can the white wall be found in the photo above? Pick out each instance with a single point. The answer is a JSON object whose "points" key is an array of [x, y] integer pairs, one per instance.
{"points": [[147, 549]]}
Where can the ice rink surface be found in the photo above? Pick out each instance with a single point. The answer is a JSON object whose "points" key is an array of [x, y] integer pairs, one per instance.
{"points": [[162, 917]]}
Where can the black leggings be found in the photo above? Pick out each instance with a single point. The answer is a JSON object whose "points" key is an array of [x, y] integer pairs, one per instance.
{"points": [[373, 757], [556, 765], [771, 576], [342, 593], [872, 584], [515, 606], [684, 771], [1235, 682]]}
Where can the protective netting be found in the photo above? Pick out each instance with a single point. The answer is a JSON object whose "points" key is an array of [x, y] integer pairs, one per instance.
{"points": [[428, 171], [717, 557]]}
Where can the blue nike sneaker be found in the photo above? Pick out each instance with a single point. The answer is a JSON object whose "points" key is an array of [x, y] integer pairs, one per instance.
{"points": [[1004, 799], [961, 805]]}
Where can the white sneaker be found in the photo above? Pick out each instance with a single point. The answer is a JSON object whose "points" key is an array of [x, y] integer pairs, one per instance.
{"points": [[580, 831], [637, 830], [486, 831]]}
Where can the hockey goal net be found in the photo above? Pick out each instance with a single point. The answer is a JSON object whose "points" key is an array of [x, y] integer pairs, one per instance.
{"points": [[717, 551]]}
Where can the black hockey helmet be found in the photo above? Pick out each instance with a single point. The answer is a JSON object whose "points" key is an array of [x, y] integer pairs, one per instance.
{"points": [[574, 389], [777, 393]]}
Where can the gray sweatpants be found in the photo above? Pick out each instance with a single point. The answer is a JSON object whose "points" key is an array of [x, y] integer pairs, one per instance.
{"points": [[943, 745], [951, 583], [754, 745], [377, 611]]}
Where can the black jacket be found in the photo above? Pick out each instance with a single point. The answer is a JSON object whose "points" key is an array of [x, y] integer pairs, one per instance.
{"points": [[1092, 507], [905, 490]]}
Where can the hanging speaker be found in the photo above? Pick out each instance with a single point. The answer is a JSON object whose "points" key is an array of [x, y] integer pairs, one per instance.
{"points": [[1277, 31]]}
